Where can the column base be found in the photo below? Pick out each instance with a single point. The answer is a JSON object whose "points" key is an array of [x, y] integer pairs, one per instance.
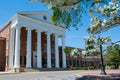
{"points": [[16, 69], [64, 67], [39, 67], [28, 67], [16, 66], [57, 67], [49, 67]]}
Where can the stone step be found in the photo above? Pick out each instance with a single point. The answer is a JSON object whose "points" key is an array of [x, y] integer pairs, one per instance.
{"points": [[37, 70], [29, 70], [52, 69]]}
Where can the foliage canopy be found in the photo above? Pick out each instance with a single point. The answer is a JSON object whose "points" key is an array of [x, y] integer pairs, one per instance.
{"points": [[112, 55]]}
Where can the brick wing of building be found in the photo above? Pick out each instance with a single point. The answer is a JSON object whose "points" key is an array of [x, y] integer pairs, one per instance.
{"points": [[29, 40]]}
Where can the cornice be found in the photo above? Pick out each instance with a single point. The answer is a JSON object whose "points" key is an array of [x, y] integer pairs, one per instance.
{"points": [[40, 22]]}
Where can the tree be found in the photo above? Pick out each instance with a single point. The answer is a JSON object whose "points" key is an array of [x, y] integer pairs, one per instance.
{"points": [[109, 16], [111, 56], [73, 52], [67, 50], [68, 13], [93, 42]]}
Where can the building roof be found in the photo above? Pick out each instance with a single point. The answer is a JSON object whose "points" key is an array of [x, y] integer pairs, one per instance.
{"points": [[28, 13]]}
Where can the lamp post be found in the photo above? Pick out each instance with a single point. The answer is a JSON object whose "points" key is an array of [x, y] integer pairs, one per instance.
{"points": [[119, 58], [102, 62]]}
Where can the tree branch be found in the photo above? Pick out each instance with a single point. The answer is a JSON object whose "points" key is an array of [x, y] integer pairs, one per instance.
{"points": [[70, 4]]}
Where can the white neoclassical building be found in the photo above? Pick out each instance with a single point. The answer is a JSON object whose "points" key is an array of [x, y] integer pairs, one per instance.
{"points": [[32, 42]]}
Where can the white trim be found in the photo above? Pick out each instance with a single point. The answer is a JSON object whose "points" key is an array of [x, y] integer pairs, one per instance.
{"points": [[40, 22]]}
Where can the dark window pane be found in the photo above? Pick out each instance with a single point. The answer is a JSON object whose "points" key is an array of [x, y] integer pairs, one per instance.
{"points": [[20, 60]]}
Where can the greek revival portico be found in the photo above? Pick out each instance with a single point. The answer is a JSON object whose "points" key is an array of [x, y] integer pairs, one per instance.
{"points": [[40, 22]]}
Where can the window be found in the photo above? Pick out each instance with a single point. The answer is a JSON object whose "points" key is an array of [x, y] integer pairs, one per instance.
{"points": [[45, 36], [78, 63], [52, 48], [52, 37], [67, 62], [70, 62], [20, 60], [53, 62], [44, 17], [44, 62]]}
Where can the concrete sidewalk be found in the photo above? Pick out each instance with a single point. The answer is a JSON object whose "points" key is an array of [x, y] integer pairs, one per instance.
{"points": [[5, 73], [62, 75]]}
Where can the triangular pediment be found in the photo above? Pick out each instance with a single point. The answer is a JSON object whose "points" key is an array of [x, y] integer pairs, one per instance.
{"points": [[41, 16]]}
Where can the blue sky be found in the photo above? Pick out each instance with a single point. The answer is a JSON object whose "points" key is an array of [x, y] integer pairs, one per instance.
{"points": [[73, 38]]}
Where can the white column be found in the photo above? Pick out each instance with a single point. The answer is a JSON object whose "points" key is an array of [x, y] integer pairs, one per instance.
{"points": [[28, 55], [39, 54], [17, 49], [48, 51], [11, 47], [56, 52], [63, 54], [6, 63]]}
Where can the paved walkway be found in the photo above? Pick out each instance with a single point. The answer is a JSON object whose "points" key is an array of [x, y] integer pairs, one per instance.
{"points": [[61, 75], [111, 75]]}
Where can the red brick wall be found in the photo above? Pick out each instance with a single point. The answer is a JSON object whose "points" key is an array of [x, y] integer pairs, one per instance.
{"points": [[5, 32], [34, 40], [23, 43], [2, 53]]}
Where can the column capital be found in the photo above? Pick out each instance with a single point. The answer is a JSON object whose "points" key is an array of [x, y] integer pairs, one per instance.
{"points": [[28, 28], [13, 29], [56, 34], [18, 27], [39, 30], [63, 36], [48, 32]]}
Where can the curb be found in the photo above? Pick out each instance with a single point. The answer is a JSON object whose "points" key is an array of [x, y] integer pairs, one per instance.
{"points": [[6, 73]]}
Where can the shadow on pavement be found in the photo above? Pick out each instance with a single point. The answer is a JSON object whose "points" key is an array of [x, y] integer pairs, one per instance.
{"points": [[113, 76]]}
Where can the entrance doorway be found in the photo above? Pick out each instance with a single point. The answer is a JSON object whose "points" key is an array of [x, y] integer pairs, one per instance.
{"points": [[2, 54], [34, 59]]}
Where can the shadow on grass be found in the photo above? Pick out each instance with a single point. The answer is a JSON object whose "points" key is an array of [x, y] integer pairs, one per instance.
{"points": [[113, 76]]}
